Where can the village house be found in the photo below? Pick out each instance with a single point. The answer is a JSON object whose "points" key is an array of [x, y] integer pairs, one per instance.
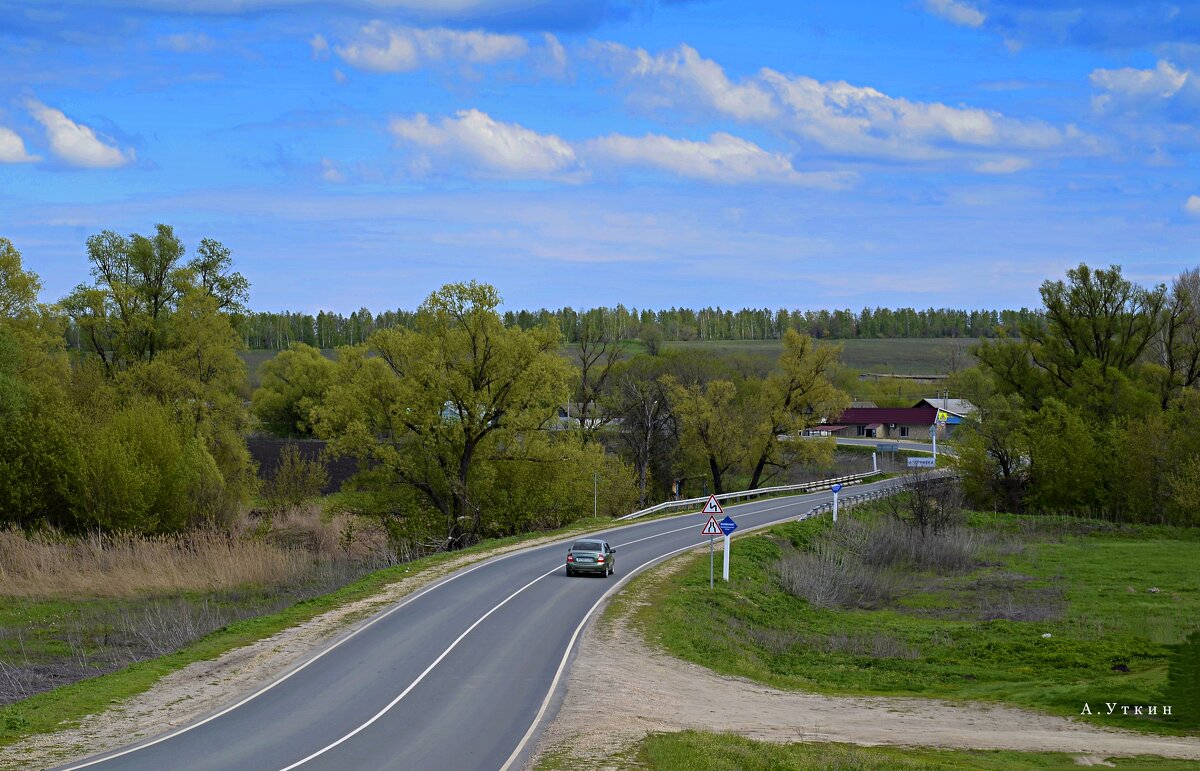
{"points": [[911, 423]]}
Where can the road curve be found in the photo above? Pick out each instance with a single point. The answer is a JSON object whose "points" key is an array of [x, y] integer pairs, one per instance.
{"points": [[460, 675]]}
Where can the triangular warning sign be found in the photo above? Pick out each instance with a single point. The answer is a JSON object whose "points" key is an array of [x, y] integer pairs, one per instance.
{"points": [[712, 507], [711, 527]]}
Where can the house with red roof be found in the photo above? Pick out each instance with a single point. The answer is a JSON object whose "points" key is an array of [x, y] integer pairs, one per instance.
{"points": [[888, 422], [897, 422]]}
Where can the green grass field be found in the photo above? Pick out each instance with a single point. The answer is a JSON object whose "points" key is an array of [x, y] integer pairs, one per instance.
{"points": [[1116, 602], [900, 356], [698, 751]]}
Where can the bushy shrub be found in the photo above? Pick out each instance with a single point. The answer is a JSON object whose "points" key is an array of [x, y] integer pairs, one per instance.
{"points": [[294, 480]]}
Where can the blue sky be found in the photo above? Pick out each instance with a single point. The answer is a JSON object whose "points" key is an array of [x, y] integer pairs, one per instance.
{"points": [[594, 152]]}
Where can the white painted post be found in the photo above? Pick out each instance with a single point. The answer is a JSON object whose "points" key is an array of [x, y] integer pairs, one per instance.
{"points": [[933, 433], [725, 570], [835, 506], [874, 462], [710, 563]]}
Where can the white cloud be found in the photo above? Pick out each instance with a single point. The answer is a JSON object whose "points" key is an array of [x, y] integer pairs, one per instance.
{"points": [[683, 77], [962, 14], [330, 172], [381, 47], [1192, 205], [838, 116], [12, 148], [553, 57], [1130, 88], [506, 149], [187, 42], [1008, 165], [862, 120], [76, 143], [320, 47], [723, 159]]}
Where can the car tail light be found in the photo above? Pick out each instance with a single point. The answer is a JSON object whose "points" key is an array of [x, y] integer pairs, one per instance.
{"points": [[570, 558], [600, 558]]}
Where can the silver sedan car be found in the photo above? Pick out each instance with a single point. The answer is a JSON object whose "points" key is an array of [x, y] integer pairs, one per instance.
{"points": [[591, 556]]}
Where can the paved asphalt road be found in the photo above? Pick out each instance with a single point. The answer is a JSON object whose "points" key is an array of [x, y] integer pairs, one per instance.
{"points": [[461, 675]]}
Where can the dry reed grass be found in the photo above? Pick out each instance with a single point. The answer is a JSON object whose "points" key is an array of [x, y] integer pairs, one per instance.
{"points": [[100, 565], [282, 551]]}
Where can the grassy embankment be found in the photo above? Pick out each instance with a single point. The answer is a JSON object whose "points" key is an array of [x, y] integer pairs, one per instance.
{"points": [[854, 613], [136, 589]]}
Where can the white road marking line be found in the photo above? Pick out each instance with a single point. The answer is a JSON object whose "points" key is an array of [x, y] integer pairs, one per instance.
{"points": [[421, 677], [479, 621], [384, 615], [274, 683], [516, 753]]}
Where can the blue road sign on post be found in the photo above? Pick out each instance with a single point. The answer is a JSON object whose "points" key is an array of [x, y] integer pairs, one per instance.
{"points": [[836, 488], [727, 526]]}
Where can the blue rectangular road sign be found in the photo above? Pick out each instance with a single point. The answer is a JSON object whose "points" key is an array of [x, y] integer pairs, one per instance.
{"points": [[727, 525]]}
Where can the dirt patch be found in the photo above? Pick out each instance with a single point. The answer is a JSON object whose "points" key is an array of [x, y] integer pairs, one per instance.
{"points": [[658, 693], [206, 686]]}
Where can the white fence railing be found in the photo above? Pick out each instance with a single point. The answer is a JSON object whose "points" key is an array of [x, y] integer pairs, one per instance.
{"points": [[820, 484]]}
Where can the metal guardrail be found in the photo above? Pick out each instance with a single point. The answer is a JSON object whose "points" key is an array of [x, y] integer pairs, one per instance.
{"points": [[820, 484], [847, 501]]}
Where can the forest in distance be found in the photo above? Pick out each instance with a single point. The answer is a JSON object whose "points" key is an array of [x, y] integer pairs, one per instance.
{"points": [[277, 330]]}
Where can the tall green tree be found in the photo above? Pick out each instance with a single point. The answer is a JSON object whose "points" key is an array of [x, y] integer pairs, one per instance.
{"points": [[39, 431], [647, 428], [1097, 324], [714, 425], [426, 405], [599, 351], [799, 394], [161, 328], [291, 387]]}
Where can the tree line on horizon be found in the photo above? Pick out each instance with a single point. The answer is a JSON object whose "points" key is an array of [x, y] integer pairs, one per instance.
{"points": [[277, 330]]}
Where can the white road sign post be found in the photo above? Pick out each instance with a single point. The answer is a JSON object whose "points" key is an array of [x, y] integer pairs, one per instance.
{"points": [[836, 489], [711, 528], [727, 526]]}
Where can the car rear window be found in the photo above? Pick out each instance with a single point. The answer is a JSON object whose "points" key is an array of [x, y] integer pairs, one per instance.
{"points": [[588, 546]]}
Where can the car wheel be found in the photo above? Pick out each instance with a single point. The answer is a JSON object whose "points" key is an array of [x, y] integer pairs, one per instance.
{"points": [[570, 572]]}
